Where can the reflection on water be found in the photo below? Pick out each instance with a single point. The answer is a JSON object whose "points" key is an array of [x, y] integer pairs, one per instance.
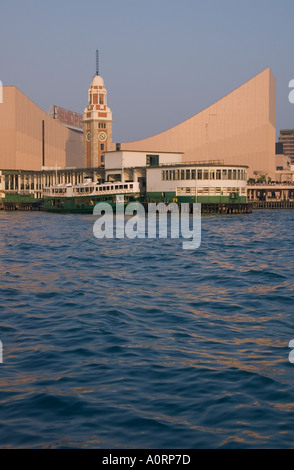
{"points": [[138, 343]]}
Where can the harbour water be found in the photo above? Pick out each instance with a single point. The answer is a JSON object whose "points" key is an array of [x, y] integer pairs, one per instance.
{"points": [[141, 344]]}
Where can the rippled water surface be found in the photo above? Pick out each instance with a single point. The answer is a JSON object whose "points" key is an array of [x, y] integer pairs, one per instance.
{"points": [[141, 344]]}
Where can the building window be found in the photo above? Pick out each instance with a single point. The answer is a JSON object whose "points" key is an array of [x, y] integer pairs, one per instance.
{"points": [[152, 160], [102, 147]]}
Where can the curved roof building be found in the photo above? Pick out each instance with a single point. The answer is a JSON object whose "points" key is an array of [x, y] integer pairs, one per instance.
{"points": [[238, 129], [31, 139]]}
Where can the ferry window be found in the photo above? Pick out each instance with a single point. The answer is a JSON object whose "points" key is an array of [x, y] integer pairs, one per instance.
{"points": [[163, 175], [131, 186], [229, 174], [239, 174], [218, 174], [193, 176], [125, 186], [116, 187], [206, 175], [225, 174], [199, 174], [234, 174], [188, 174], [178, 174], [182, 174], [173, 174], [212, 175]]}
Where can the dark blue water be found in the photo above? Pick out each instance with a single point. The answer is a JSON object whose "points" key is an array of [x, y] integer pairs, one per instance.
{"points": [[141, 344]]}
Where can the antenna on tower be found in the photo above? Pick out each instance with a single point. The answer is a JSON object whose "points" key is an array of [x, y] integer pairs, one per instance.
{"points": [[97, 62]]}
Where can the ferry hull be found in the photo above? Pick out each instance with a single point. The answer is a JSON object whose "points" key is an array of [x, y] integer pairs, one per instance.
{"points": [[82, 205]]}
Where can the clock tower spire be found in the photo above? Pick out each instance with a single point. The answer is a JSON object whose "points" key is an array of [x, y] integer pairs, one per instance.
{"points": [[97, 122]]}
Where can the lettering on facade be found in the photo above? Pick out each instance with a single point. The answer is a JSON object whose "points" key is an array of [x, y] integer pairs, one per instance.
{"points": [[67, 117]]}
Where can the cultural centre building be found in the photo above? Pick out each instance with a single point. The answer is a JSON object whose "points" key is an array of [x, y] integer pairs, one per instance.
{"points": [[239, 129]]}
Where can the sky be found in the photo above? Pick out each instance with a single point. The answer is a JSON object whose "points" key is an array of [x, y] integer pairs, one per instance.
{"points": [[162, 61]]}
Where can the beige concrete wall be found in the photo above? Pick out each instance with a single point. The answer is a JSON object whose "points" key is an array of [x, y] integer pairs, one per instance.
{"points": [[238, 129], [130, 159], [21, 136]]}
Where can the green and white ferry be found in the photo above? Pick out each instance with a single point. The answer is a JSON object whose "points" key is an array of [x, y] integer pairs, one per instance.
{"points": [[81, 198]]}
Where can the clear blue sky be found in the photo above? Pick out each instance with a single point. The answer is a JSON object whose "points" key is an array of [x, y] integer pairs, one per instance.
{"points": [[162, 61]]}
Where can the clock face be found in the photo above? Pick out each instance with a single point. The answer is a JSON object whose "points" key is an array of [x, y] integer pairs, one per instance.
{"points": [[88, 137], [102, 136]]}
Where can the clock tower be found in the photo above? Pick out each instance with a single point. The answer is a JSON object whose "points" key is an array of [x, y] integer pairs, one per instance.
{"points": [[97, 124]]}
